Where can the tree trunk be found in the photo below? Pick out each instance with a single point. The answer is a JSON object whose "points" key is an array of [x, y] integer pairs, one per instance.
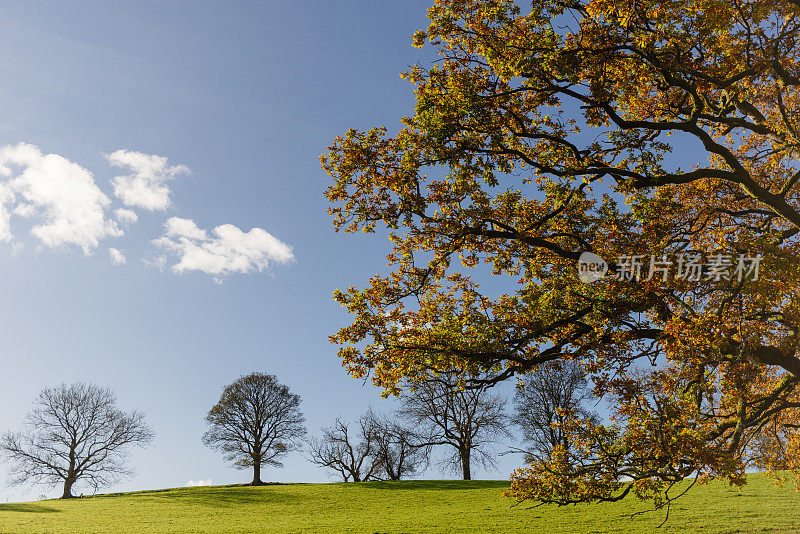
{"points": [[465, 467], [256, 474], [68, 489]]}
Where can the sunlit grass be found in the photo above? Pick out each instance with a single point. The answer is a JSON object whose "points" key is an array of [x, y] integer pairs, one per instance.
{"points": [[412, 506]]}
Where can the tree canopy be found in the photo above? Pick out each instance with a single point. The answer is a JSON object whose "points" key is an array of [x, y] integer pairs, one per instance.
{"points": [[651, 129]]}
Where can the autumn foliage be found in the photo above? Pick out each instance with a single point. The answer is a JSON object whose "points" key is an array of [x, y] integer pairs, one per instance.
{"points": [[625, 127]]}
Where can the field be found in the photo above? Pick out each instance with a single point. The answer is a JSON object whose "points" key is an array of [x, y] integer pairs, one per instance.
{"points": [[412, 506]]}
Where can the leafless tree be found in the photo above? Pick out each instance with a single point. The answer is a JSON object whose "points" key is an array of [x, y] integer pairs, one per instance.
{"points": [[377, 448], [467, 419], [255, 423], [349, 452], [399, 450], [542, 400], [74, 434]]}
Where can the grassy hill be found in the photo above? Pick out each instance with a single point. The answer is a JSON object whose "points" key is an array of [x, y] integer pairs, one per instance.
{"points": [[413, 506]]}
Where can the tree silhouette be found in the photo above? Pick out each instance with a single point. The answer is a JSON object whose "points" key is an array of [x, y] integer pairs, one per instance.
{"points": [[256, 422], [75, 433]]}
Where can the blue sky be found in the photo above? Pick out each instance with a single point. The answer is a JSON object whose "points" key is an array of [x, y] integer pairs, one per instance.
{"points": [[245, 96]]}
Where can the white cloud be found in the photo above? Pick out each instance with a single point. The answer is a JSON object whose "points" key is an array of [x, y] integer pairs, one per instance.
{"points": [[125, 216], [187, 228], [64, 207], [159, 262], [6, 197], [146, 186], [117, 256], [56, 191], [199, 482], [229, 250], [25, 210]]}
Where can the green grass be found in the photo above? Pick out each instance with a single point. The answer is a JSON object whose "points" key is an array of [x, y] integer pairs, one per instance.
{"points": [[412, 506]]}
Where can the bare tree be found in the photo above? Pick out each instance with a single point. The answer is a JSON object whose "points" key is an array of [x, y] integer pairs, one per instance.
{"points": [[255, 423], [466, 419], [398, 449], [378, 448], [351, 453], [543, 400], [75, 433]]}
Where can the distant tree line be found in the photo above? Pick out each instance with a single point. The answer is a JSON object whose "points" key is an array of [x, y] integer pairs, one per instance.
{"points": [[75, 434]]}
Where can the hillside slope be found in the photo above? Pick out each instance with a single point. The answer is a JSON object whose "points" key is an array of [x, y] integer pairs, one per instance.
{"points": [[413, 506]]}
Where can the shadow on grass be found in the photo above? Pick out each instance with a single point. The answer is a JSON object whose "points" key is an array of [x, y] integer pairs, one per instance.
{"points": [[439, 485], [182, 489], [223, 497], [216, 496], [27, 507]]}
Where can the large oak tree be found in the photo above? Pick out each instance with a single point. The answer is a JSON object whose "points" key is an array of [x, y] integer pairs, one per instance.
{"points": [[627, 127]]}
